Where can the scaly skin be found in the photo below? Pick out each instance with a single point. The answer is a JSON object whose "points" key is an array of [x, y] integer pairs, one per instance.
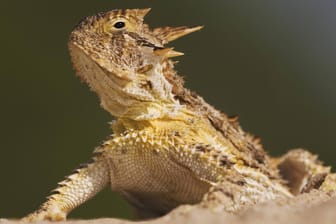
{"points": [[169, 147]]}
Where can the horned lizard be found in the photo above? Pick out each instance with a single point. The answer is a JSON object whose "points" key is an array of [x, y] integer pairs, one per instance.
{"points": [[169, 147]]}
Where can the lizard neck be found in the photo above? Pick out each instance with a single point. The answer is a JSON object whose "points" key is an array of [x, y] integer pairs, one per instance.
{"points": [[162, 103], [178, 120]]}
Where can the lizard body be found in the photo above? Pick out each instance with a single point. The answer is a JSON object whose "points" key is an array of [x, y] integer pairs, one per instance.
{"points": [[169, 147]]}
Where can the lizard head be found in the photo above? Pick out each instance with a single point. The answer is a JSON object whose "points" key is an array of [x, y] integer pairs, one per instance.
{"points": [[124, 61]]}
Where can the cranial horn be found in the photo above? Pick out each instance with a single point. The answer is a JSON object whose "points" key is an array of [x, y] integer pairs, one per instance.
{"points": [[167, 52], [167, 34], [140, 13]]}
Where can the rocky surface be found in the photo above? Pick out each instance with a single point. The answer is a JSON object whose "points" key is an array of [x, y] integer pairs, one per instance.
{"points": [[315, 207]]}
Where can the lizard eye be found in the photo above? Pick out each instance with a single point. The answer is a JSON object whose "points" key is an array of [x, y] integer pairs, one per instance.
{"points": [[119, 25]]}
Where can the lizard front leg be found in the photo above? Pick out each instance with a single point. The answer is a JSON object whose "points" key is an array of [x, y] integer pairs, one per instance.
{"points": [[77, 188]]}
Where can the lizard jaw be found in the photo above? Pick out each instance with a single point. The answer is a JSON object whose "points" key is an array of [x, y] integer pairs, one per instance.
{"points": [[118, 94], [107, 87]]}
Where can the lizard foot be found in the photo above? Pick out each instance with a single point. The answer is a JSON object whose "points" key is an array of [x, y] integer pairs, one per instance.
{"points": [[43, 214]]}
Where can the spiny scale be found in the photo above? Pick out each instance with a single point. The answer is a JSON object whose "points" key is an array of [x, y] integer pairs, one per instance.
{"points": [[169, 146]]}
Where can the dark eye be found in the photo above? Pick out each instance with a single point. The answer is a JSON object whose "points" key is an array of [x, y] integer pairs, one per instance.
{"points": [[119, 25]]}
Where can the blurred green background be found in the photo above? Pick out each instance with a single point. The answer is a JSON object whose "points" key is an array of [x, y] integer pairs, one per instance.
{"points": [[270, 62]]}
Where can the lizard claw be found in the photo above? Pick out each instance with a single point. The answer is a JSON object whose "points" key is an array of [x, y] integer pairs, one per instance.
{"points": [[50, 214]]}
